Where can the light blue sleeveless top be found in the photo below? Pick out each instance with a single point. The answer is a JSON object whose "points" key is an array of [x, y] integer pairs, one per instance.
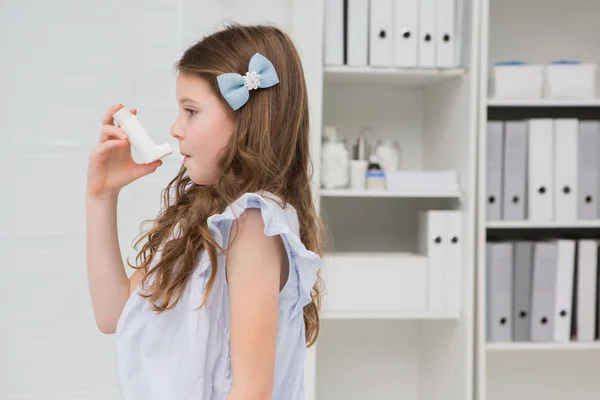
{"points": [[183, 353]]}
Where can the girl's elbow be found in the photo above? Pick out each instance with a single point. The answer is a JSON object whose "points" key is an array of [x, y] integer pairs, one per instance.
{"points": [[252, 393], [106, 327]]}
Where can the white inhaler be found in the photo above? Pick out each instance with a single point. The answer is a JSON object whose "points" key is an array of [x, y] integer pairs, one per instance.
{"points": [[139, 138]]}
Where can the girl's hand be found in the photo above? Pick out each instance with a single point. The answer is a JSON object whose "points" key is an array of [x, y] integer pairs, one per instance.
{"points": [[111, 166]]}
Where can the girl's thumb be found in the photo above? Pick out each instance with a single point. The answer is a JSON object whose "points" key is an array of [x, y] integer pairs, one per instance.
{"points": [[142, 170]]}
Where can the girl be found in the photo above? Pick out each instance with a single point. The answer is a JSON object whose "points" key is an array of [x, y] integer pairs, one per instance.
{"points": [[224, 300]]}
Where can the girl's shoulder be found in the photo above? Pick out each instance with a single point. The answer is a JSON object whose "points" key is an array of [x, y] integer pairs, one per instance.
{"points": [[272, 208], [279, 218]]}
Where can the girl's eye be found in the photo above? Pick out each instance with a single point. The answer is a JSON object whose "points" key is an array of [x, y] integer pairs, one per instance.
{"points": [[191, 112]]}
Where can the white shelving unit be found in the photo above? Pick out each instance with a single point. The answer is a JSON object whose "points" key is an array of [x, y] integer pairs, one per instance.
{"points": [[535, 31], [378, 340]]}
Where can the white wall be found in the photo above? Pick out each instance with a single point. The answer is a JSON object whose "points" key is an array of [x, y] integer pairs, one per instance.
{"points": [[63, 62]]}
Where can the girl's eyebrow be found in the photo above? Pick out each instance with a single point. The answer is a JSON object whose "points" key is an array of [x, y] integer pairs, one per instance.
{"points": [[184, 99]]}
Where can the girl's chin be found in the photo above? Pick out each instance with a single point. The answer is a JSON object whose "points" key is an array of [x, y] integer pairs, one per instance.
{"points": [[198, 179]]}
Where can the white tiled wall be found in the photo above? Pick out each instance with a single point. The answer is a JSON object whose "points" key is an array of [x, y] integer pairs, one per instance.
{"points": [[68, 61], [62, 63]]}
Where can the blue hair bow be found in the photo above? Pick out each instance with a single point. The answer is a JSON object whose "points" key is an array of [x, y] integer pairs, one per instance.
{"points": [[235, 88]]}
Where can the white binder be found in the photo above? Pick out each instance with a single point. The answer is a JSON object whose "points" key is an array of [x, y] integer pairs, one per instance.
{"points": [[514, 174], [589, 137], [494, 166], [334, 32], [357, 33], [565, 169], [499, 285], [381, 33], [586, 290], [427, 33], [406, 18], [522, 286], [543, 293], [432, 245], [540, 190], [453, 249], [564, 290], [446, 34]]}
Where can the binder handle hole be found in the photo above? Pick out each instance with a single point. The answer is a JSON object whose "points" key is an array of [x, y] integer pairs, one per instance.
{"points": [[428, 37], [515, 199], [454, 239], [566, 190], [446, 38], [588, 199], [544, 320], [406, 34], [522, 313], [438, 239], [382, 34], [542, 190], [563, 313], [491, 199], [503, 321]]}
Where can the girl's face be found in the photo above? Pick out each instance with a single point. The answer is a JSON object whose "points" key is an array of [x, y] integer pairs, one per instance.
{"points": [[202, 128]]}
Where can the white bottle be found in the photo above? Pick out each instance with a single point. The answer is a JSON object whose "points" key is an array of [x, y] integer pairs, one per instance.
{"points": [[139, 138], [335, 160]]}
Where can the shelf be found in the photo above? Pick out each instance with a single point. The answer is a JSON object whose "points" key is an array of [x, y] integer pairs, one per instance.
{"points": [[513, 30], [583, 224], [396, 283], [398, 76], [542, 103], [337, 315], [417, 193], [542, 346]]}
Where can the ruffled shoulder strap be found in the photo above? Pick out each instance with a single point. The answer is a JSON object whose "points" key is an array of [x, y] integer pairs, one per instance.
{"points": [[278, 220]]}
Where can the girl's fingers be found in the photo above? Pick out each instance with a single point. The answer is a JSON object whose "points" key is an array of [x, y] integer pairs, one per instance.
{"points": [[107, 146], [111, 132], [107, 119]]}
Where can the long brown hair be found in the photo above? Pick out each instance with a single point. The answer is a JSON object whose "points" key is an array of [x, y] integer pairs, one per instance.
{"points": [[269, 151]]}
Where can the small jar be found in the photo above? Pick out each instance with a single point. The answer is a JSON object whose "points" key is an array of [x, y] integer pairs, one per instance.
{"points": [[335, 160], [388, 153], [375, 174]]}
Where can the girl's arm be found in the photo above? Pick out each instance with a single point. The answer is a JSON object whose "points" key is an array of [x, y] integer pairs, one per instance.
{"points": [[108, 283], [256, 265], [111, 167]]}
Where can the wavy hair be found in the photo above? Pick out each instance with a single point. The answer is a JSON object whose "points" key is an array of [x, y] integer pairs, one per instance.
{"points": [[269, 151]]}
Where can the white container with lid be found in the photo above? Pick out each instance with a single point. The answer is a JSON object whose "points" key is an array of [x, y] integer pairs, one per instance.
{"points": [[335, 160]]}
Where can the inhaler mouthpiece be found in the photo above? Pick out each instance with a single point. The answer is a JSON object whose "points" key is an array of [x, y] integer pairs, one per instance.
{"points": [[139, 138]]}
